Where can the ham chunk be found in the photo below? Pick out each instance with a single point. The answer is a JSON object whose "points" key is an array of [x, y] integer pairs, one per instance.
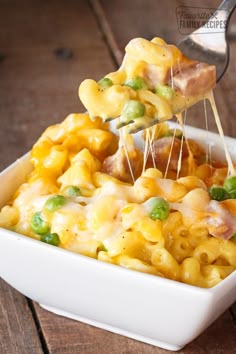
{"points": [[222, 219], [118, 166], [218, 217], [155, 75], [162, 148], [195, 79], [165, 146]]}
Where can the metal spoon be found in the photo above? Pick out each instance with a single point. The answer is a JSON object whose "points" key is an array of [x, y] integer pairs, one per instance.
{"points": [[208, 44]]}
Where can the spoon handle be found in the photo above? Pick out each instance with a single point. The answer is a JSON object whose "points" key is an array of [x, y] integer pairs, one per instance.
{"points": [[227, 5]]}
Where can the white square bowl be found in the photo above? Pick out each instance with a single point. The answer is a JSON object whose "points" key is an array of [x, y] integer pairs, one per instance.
{"points": [[162, 312]]}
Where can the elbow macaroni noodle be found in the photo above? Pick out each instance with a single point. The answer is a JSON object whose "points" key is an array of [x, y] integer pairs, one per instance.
{"points": [[104, 214], [108, 221]]}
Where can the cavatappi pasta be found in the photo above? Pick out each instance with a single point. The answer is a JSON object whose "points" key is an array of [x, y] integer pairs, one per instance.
{"points": [[80, 196], [166, 209]]}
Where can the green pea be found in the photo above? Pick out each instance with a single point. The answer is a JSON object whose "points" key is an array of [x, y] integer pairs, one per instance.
{"points": [[72, 191], [55, 202], [52, 239], [105, 82], [233, 236], [218, 193], [38, 224], [232, 194], [158, 208], [230, 183], [136, 83], [133, 109], [165, 91]]}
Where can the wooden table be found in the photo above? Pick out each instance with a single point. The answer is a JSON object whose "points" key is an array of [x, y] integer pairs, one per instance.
{"points": [[46, 49]]}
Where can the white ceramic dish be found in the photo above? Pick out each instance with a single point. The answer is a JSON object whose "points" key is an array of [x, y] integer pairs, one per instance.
{"points": [[154, 310]]}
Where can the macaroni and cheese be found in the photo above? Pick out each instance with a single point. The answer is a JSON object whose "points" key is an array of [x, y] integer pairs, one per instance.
{"points": [[167, 209]]}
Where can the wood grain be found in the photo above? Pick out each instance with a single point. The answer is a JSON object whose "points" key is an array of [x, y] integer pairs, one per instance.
{"points": [[147, 19], [233, 308], [220, 337], [82, 338], [38, 87], [18, 332]]}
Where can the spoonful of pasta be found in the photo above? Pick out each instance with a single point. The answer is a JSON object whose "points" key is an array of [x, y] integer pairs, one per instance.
{"points": [[157, 81]]}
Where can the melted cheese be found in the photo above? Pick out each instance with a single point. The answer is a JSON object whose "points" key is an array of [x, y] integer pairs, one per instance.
{"points": [[152, 61], [123, 143], [231, 169], [113, 214]]}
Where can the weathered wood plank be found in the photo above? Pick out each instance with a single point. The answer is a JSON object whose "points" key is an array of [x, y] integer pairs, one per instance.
{"points": [[233, 311], [68, 336], [140, 18], [147, 18], [18, 332], [220, 337], [38, 87]]}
